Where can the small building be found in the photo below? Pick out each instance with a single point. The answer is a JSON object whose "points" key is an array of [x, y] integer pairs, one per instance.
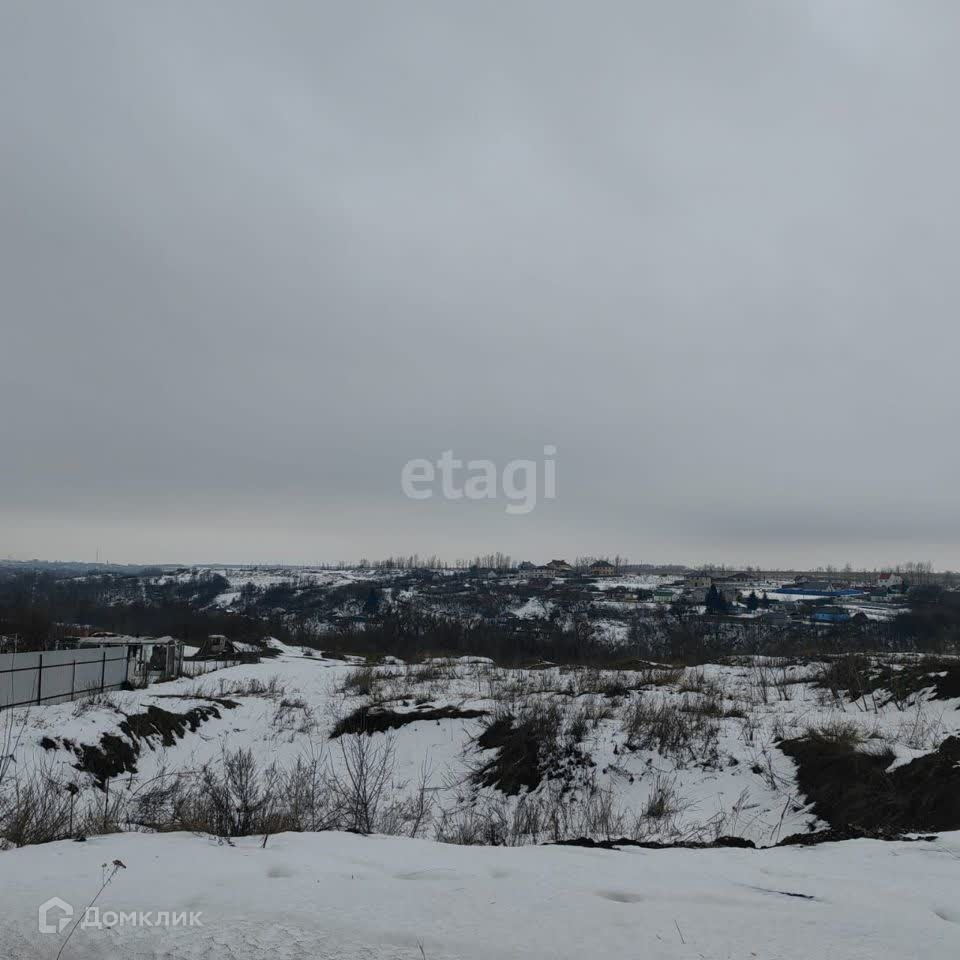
{"points": [[219, 647], [556, 568], [728, 587], [149, 657], [601, 568], [890, 581], [830, 615]]}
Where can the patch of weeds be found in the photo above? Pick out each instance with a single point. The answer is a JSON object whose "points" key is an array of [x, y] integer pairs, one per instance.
{"points": [[662, 801], [856, 676], [837, 732], [671, 731], [360, 682]]}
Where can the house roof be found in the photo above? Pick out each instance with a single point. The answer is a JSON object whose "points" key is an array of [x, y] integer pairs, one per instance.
{"points": [[118, 641]]}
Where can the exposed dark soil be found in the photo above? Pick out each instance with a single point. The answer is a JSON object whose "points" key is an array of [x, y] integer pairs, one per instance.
{"points": [[846, 833], [373, 720], [851, 789], [943, 677], [117, 754], [858, 676], [796, 839], [527, 751], [720, 842], [517, 763]]}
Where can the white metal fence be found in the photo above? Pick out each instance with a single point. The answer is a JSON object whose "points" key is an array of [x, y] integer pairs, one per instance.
{"points": [[196, 668], [50, 676]]}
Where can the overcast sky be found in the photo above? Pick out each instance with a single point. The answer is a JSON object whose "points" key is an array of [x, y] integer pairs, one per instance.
{"points": [[255, 257]]}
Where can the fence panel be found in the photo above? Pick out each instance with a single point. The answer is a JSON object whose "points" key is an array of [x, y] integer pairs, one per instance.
{"points": [[196, 668], [50, 676]]}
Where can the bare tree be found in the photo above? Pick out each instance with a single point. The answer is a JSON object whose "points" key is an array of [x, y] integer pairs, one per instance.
{"points": [[368, 766]]}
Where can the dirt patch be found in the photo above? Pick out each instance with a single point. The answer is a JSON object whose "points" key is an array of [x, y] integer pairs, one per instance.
{"points": [[796, 839], [852, 789], [517, 763], [169, 726], [846, 833], [371, 720], [944, 678], [117, 754], [720, 842], [109, 759], [528, 749]]}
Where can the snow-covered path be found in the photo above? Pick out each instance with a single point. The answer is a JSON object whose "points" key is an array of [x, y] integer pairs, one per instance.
{"points": [[333, 895]]}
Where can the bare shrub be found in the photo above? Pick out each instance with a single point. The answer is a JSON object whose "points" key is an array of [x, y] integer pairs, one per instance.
{"points": [[660, 676], [469, 826], [846, 677], [670, 730], [94, 701], [837, 732], [663, 800], [693, 680], [36, 807], [272, 689], [359, 682], [359, 786], [921, 730], [234, 798], [293, 714], [762, 682], [308, 803]]}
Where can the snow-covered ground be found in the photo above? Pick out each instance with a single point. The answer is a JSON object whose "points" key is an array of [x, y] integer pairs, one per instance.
{"points": [[328, 894], [725, 776], [265, 577], [534, 609], [647, 581], [342, 896]]}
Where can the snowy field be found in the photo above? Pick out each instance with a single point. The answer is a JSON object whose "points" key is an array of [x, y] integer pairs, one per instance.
{"points": [[651, 754], [347, 897], [655, 753]]}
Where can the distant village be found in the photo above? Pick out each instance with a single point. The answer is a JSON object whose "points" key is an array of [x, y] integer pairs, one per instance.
{"points": [[833, 598], [175, 621]]}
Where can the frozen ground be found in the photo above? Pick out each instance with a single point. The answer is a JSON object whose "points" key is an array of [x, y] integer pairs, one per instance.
{"points": [[335, 895], [652, 753]]}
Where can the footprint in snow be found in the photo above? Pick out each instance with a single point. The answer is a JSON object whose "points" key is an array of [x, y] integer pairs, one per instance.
{"points": [[620, 896]]}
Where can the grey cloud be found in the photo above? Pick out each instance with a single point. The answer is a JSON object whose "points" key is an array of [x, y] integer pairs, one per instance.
{"points": [[254, 257]]}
